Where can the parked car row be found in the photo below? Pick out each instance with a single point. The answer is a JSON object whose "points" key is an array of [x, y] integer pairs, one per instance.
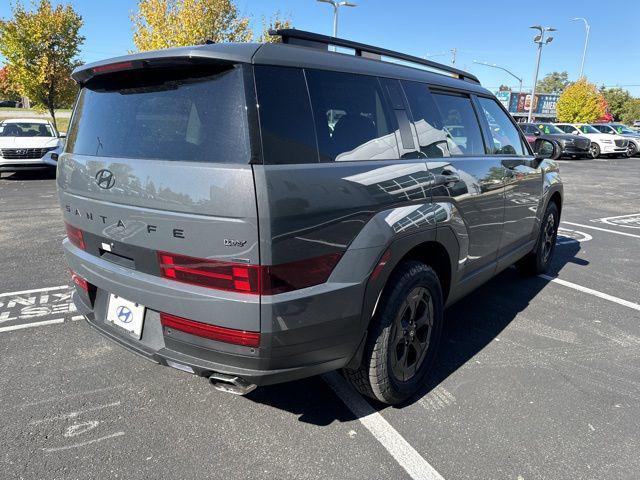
{"points": [[582, 140]]}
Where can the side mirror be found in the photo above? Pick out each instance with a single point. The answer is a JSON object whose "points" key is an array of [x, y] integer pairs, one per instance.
{"points": [[537, 133], [544, 149]]}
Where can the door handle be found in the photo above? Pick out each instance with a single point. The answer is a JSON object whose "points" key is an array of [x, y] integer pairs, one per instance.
{"points": [[447, 177]]}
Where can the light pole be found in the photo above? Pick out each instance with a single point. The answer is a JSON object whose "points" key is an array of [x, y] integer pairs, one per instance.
{"points": [[541, 41], [336, 5], [493, 65], [586, 41]]}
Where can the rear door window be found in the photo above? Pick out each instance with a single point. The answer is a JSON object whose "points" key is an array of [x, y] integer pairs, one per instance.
{"points": [[505, 135], [460, 124], [285, 116], [351, 117], [432, 137], [189, 115]]}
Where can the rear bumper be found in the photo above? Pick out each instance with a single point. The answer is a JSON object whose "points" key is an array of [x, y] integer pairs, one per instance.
{"points": [[307, 334]]}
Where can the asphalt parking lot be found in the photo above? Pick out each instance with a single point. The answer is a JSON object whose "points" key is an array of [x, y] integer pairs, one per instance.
{"points": [[537, 378]]}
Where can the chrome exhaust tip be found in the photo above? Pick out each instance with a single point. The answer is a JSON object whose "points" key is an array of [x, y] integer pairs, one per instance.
{"points": [[231, 384]]}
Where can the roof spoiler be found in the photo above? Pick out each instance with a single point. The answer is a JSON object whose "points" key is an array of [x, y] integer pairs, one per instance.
{"points": [[315, 40]]}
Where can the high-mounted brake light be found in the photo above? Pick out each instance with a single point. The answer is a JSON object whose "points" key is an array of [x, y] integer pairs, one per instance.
{"points": [[244, 278], [75, 236], [112, 67], [213, 332]]}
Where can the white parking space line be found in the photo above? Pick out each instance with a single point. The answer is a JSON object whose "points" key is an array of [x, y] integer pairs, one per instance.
{"points": [[590, 291], [628, 221], [35, 290], [29, 325], [408, 458], [626, 234]]}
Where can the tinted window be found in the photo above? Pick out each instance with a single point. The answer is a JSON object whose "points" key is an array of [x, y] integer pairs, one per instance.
{"points": [[351, 118], [426, 117], [285, 116], [190, 115], [505, 135], [460, 124], [528, 129]]}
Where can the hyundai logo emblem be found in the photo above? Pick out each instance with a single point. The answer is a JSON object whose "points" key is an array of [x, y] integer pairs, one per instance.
{"points": [[124, 314], [105, 179]]}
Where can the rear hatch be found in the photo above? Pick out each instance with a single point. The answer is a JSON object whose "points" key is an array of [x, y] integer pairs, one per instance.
{"points": [[156, 173]]}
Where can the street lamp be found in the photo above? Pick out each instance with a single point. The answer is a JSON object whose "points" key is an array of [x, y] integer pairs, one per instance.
{"points": [[586, 41], [493, 65], [541, 41], [336, 5]]}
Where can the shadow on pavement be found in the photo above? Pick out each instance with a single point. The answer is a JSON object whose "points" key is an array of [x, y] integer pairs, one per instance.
{"points": [[44, 174], [470, 325]]}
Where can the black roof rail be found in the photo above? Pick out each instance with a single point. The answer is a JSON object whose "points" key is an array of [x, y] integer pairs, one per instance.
{"points": [[315, 40]]}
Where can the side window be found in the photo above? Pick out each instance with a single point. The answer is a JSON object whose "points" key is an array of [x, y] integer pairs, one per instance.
{"points": [[426, 118], [584, 129], [529, 129], [351, 117], [460, 124], [505, 135], [286, 122]]}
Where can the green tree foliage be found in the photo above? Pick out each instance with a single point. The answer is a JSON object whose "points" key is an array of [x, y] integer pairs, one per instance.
{"points": [[617, 98], [581, 102], [631, 111], [41, 48], [554, 82]]}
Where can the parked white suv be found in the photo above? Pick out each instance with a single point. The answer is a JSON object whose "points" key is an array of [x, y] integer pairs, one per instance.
{"points": [[601, 143], [28, 144]]}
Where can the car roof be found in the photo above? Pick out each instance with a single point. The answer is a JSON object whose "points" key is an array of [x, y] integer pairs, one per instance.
{"points": [[288, 55], [25, 120]]}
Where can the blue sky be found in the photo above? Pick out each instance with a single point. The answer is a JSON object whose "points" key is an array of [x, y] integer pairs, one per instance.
{"points": [[488, 30]]}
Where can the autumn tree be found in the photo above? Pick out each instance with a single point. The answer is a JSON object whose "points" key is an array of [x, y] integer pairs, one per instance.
{"points": [[276, 22], [617, 98], [175, 23], [41, 48], [580, 102], [554, 82], [7, 89]]}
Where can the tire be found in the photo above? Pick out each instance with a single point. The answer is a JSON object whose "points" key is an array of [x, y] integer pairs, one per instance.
{"points": [[558, 152], [632, 150], [393, 368], [594, 150], [540, 258]]}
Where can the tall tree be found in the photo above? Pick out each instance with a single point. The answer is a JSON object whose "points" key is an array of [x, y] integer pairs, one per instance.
{"points": [[554, 82], [617, 98], [177, 23], [41, 48], [581, 102]]}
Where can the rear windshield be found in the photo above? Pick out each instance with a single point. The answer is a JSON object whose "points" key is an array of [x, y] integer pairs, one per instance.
{"points": [[189, 115]]}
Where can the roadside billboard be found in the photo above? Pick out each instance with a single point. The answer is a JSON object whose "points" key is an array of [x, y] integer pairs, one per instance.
{"points": [[544, 104]]}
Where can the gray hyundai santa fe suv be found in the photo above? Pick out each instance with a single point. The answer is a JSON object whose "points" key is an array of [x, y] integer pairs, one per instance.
{"points": [[256, 213]]}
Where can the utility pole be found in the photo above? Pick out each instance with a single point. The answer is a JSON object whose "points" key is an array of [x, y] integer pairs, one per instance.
{"points": [[454, 52], [541, 41], [493, 65]]}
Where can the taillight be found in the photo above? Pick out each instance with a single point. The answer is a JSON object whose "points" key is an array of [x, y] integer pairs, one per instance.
{"points": [[79, 281], [213, 332], [243, 278], [75, 236], [235, 277]]}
